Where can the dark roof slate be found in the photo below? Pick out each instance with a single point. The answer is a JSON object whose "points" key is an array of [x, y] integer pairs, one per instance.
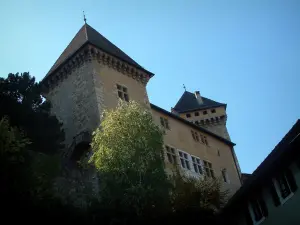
{"points": [[188, 102], [87, 34]]}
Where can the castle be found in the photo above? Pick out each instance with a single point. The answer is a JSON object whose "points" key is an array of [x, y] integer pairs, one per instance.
{"points": [[92, 74]]}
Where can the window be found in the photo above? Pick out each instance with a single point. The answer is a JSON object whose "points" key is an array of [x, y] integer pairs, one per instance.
{"points": [[204, 112], [219, 154], [225, 176], [164, 122], [197, 165], [285, 185], [204, 139], [258, 210], [196, 113], [208, 169], [188, 115], [195, 135], [171, 155], [213, 111], [184, 160], [122, 93]]}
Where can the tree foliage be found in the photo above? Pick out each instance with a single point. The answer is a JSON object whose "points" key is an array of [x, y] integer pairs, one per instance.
{"points": [[190, 193], [128, 153], [22, 101]]}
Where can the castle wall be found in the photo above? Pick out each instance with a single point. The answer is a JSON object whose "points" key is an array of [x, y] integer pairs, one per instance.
{"points": [[74, 101], [213, 121], [217, 152]]}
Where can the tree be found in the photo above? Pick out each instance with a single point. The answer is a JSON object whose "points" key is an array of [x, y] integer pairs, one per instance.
{"points": [[128, 153], [22, 101], [197, 194]]}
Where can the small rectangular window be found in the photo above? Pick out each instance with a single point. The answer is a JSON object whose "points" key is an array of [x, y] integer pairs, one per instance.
{"points": [[256, 211], [195, 136], [171, 155], [188, 115], [196, 113], [122, 93], [285, 185], [204, 112], [204, 139], [184, 160], [208, 169], [213, 111], [224, 175], [164, 122]]}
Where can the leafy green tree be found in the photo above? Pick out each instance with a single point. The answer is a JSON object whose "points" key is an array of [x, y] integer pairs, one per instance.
{"points": [[12, 159], [128, 153], [197, 194], [22, 101]]}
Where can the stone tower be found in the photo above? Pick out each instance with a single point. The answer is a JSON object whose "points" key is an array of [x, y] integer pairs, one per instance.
{"points": [[203, 112], [90, 75]]}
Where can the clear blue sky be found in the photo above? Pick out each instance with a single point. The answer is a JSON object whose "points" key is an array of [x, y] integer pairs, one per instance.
{"points": [[243, 53]]}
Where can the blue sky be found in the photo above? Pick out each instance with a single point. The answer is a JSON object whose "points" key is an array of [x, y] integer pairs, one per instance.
{"points": [[243, 53]]}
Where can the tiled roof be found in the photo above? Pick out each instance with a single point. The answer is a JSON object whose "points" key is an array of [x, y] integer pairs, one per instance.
{"points": [[87, 34], [188, 102]]}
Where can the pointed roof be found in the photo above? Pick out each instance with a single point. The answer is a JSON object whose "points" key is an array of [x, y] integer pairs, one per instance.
{"points": [[188, 102], [85, 35]]}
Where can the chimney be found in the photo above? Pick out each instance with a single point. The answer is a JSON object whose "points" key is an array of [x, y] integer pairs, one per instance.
{"points": [[198, 97]]}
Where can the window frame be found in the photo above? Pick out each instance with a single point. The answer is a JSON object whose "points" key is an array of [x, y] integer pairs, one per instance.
{"points": [[225, 175], [252, 213], [186, 165], [196, 114], [197, 163], [278, 190], [165, 122], [210, 168], [122, 92], [171, 154]]}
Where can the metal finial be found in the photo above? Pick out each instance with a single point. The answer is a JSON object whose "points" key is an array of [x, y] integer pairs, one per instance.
{"points": [[84, 17], [184, 87]]}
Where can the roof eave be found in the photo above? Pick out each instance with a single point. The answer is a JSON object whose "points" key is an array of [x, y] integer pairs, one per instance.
{"points": [[88, 42]]}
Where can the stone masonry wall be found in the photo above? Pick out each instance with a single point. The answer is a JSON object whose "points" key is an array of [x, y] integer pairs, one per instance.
{"points": [[74, 102]]}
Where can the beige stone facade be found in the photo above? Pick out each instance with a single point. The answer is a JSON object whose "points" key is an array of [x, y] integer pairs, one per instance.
{"points": [[218, 153]]}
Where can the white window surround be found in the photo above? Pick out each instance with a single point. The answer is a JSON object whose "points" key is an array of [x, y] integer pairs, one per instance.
{"points": [[199, 163], [277, 188], [184, 160], [253, 216]]}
